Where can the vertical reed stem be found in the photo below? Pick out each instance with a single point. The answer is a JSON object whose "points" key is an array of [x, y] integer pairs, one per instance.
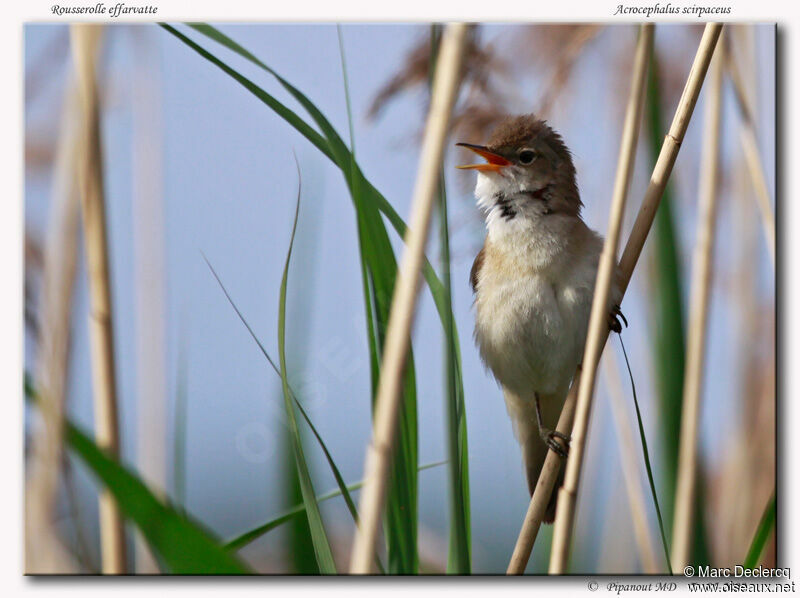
{"points": [[747, 135], [565, 511], [149, 278], [43, 554], [547, 477], [598, 320], [628, 261], [669, 150], [85, 41], [398, 335], [698, 317], [544, 488]]}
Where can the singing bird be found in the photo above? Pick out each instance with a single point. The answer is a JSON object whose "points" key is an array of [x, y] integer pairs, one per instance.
{"points": [[533, 280]]}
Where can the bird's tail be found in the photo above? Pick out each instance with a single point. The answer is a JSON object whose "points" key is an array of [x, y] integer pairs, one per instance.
{"points": [[534, 450]]}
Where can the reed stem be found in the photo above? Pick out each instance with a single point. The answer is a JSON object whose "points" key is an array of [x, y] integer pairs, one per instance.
{"points": [[698, 319], [85, 40], [43, 552], [598, 320], [398, 336], [547, 477], [149, 278], [628, 261], [755, 166]]}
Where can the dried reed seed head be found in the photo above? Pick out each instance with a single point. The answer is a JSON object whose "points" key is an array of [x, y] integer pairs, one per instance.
{"points": [[478, 65], [544, 41], [477, 120]]}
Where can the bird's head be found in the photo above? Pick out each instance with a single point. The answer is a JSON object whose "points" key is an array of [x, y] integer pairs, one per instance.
{"points": [[528, 170]]}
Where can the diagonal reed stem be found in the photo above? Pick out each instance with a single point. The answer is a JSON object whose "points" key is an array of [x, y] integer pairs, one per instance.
{"points": [[630, 256], [682, 531], [85, 43], [565, 513], [598, 321], [398, 336], [552, 464]]}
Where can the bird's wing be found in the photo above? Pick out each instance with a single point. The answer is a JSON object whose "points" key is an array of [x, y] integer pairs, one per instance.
{"points": [[476, 268]]}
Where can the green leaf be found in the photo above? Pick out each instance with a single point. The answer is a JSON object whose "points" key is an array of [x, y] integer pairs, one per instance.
{"points": [[761, 536], [181, 544], [460, 551], [331, 463], [178, 542], [297, 538], [343, 490], [346, 163], [379, 269], [646, 453], [322, 547], [378, 274], [244, 539]]}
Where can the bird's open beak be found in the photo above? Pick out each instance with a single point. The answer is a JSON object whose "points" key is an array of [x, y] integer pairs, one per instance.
{"points": [[494, 162]]}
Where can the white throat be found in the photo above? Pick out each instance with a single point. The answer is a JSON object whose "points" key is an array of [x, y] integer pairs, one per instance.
{"points": [[529, 234]]}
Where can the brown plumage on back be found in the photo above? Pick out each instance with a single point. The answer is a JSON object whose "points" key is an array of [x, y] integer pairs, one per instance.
{"points": [[476, 269]]}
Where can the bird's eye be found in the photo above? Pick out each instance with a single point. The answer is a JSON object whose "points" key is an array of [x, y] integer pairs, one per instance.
{"points": [[526, 156]]}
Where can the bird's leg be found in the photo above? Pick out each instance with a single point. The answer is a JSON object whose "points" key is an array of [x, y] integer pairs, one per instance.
{"points": [[613, 319], [549, 436]]}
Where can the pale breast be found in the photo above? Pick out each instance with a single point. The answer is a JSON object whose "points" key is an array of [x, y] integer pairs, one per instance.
{"points": [[531, 325], [529, 333]]}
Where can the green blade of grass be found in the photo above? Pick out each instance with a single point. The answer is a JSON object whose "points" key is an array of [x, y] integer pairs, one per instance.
{"points": [[342, 157], [761, 536], [288, 115], [322, 547], [343, 489], [379, 266], [459, 557], [667, 304], [460, 549], [400, 523], [378, 272], [300, 545], [346, 162], [647, 461], [249, 536], [246, 538], [331, 463], [178, 542], [297, 537]]}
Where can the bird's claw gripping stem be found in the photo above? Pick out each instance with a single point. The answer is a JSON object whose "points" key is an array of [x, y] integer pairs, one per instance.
{"points": [[614, 319], [550, 436]]}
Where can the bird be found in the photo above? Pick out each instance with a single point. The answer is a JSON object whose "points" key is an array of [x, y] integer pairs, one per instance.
{"points": [[533, 281]]}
